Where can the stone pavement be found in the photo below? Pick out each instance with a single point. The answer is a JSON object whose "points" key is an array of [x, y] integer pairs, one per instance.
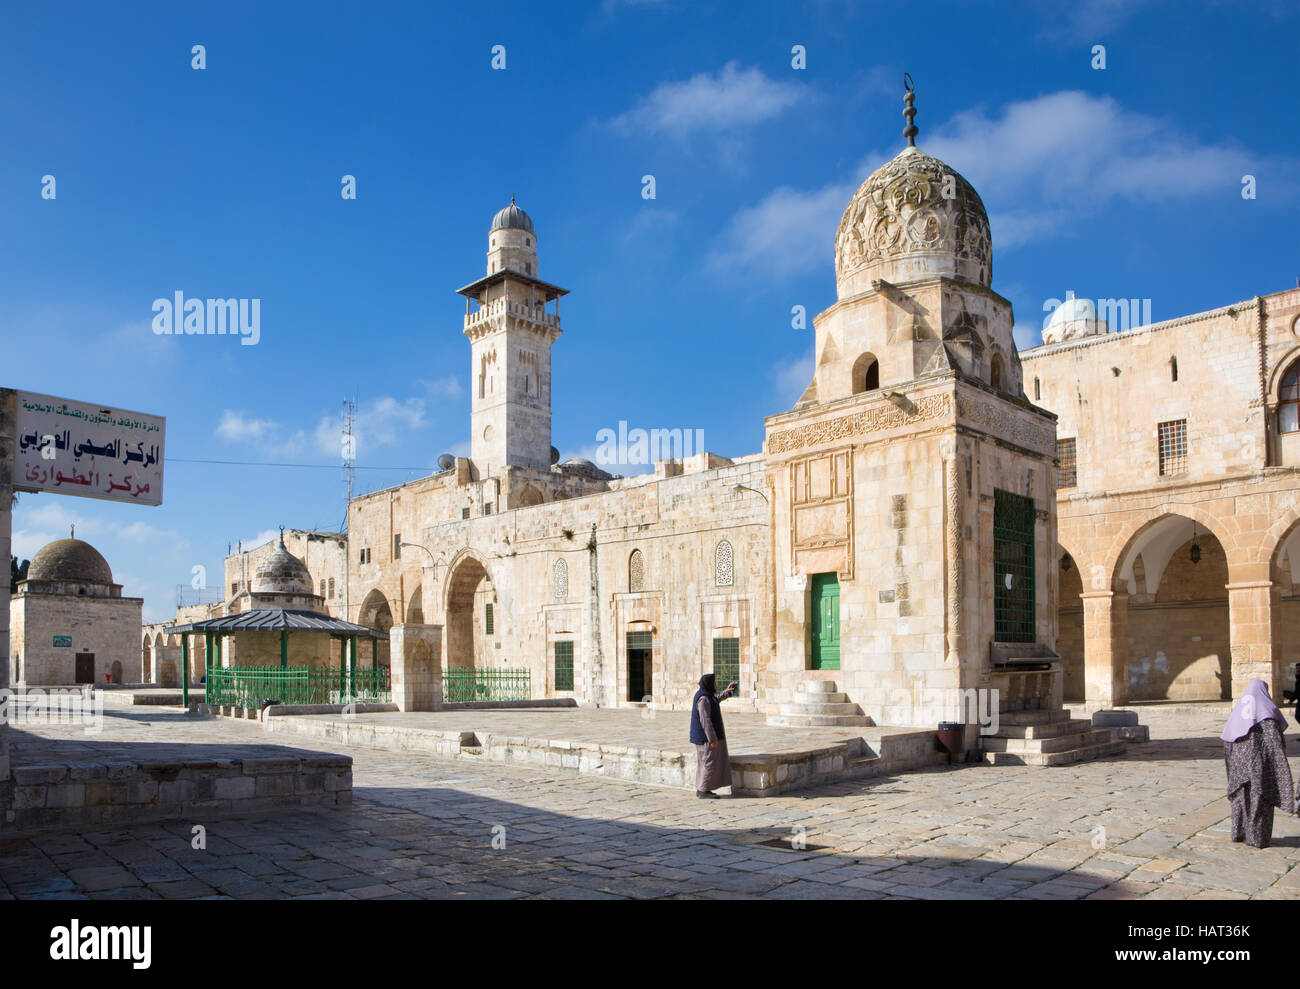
{"points": [[1148, 825]]}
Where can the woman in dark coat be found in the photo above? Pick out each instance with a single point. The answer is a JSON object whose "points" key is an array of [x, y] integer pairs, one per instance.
{"points": [[1259, 777], [712, 764]]}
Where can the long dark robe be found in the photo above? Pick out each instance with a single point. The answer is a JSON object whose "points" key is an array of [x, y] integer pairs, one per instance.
{"points": [[712, 763], [1259, 779]]}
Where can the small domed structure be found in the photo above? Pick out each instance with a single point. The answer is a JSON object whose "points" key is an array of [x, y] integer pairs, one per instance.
{"points": [[281, 573], [912, 218], [70, 561], [512, 218], [1072, 319]]}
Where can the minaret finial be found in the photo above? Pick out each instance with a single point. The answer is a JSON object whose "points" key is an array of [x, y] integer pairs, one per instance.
{"points": [[909, 111], [282, 537]]}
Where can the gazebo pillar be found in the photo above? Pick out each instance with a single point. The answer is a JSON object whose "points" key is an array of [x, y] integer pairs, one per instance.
{"points": [[185, 670], [284, 648]]}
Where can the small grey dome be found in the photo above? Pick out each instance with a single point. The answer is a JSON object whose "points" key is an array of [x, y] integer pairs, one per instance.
{"points": [[512, 218], [281, 573], [70, 560]]}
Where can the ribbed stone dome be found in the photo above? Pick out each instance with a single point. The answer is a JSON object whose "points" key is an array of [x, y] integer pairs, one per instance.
{"points": [[281, 573], [72, 561], [914, 217], [512, 218]]}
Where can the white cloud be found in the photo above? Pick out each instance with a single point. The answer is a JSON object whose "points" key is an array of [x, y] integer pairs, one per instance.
{"points": [[731, 99], [263, 537], [1027, 335], [447, 387], [382, 422], [786, 233], [236, 427]]}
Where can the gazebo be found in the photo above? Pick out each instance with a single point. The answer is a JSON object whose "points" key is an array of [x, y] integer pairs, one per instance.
{"points": [[280, 598], [298, 684]]}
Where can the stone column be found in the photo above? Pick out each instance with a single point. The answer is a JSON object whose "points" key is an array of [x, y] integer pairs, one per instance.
{"points": [[415, 665], [1105, 648], [1255, 656]]}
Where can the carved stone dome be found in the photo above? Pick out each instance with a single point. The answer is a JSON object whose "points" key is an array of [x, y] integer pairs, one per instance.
{"points": [[512, 218], [914, 217], [70, 561], [281, 573]]}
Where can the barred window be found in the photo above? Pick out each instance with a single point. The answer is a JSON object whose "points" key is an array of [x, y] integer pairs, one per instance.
{"points": [[560, 580], [331, 588], [322, 588], [726, 661], [1173, 447], [636, 571], [724, 569], [1067, 454], [488, 624], [464, 512], [1288, 409], [564, 666], [397, 546]]}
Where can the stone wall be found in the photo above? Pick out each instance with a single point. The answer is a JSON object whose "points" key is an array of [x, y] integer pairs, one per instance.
{"points": [[107, 627], [118, 792]]}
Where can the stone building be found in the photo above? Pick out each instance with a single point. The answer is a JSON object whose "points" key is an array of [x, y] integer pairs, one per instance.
{"points": [[70, 623], [900, 520], [1178, 494]]}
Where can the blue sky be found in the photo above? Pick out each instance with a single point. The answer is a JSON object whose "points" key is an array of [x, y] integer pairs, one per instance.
{"points": [[225, 182]]}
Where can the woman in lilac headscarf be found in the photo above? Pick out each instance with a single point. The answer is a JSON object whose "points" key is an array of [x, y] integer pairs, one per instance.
{"points": [[1259, 777]]}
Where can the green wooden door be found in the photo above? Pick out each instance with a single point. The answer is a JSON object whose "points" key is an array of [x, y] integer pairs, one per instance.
{"points": [[826, 622]]}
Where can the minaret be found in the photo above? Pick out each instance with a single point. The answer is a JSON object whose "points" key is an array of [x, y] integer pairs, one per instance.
{"points": [[510, 335]]}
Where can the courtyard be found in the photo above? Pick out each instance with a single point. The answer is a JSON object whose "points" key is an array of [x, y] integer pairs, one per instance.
{"points": [[1150, 824]]}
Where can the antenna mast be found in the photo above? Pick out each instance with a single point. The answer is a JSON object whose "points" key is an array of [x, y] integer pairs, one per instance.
{"points": [[349, 452]]}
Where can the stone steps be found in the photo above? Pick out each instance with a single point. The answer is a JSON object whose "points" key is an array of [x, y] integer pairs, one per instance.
{"points": [[1060, 743], [820, 704], [1050, 729], [1081, 754]]}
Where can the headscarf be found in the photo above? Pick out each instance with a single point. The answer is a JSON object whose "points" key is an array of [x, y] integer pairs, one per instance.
{"points": [[709, 684], [1254, 707]]}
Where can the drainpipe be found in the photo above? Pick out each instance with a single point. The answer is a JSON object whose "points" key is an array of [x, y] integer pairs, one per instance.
{"points": [[597, 692]]}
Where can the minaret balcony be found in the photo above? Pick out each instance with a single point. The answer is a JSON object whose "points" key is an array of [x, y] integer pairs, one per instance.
{"points": [[508, 307]]}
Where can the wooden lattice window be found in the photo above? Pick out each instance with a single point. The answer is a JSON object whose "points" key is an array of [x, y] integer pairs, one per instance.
{"points": [[636, 571], [724, 564], [1173, 447], [560, 580], [1288, 407], [564, 665], [1067, 453]]}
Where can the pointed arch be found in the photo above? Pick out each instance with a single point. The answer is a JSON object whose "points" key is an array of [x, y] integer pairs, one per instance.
{"points": [[866, 374]]}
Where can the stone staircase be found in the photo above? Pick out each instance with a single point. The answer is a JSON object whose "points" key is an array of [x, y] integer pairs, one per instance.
{"points": [[817, 704], [1046, 738]]}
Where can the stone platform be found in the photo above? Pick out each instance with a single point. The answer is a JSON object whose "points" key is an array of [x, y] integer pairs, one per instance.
{"points": [[634, 745], [65, 778]]}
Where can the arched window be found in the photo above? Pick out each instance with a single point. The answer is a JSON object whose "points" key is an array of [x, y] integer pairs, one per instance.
{"points": [[636, 571], [560, 580], [1288, 408], [724, 565], [331, 588], [866, 374], [322, 588], [996, 373]]}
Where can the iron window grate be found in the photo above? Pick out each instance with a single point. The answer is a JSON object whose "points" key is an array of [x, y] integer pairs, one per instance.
{"points": [[1173, 447], [726, 661], [1013, 565], [1067, 475], [564, 666]]}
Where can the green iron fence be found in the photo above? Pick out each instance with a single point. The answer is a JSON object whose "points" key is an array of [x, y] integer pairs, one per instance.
{"points": [[460, 686], [249, 686]]}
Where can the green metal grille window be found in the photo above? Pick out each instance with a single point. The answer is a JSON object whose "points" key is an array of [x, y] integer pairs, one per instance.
{"points": [[488, 624], [564, 666], [464, 513], [1013, 565], [726, 661]]}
